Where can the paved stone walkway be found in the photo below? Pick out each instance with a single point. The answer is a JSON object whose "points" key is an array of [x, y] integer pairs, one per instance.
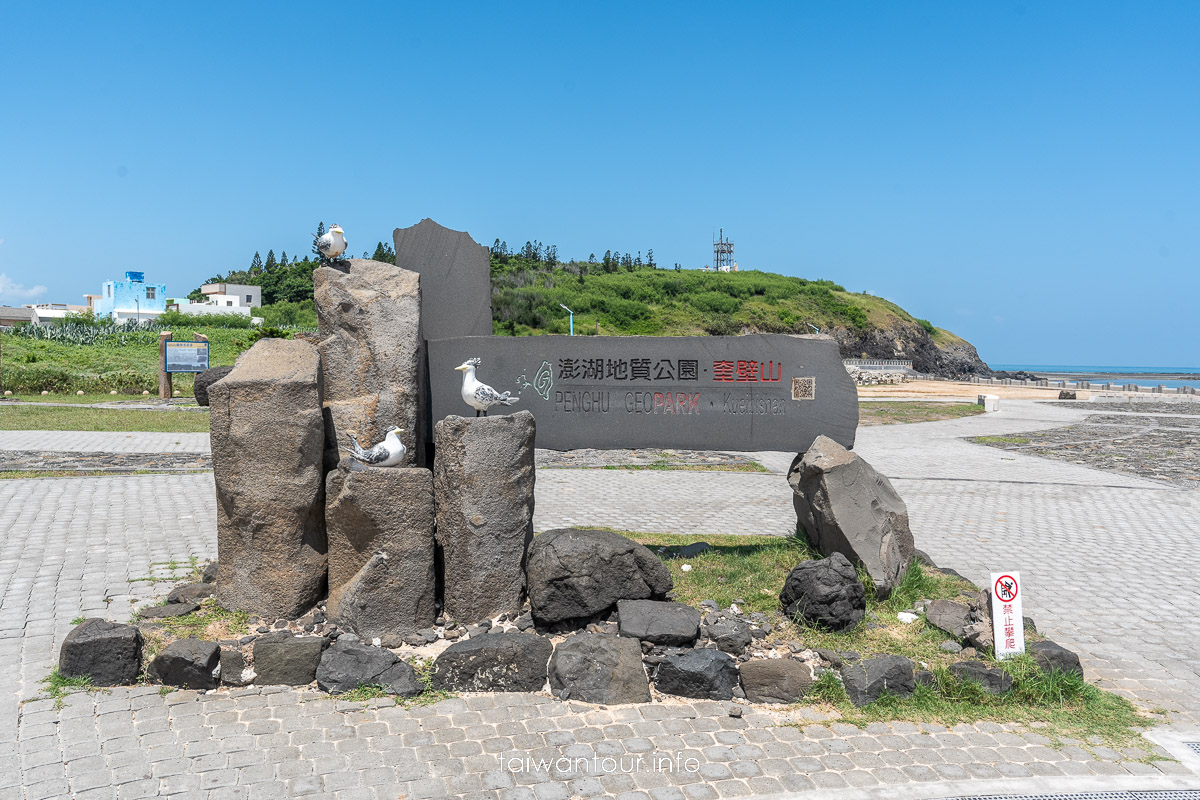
{"points": [[1109, 562]]}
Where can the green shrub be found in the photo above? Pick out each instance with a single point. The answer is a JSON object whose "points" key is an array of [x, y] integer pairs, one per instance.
{"points": [[177, 319], [288, 315]]}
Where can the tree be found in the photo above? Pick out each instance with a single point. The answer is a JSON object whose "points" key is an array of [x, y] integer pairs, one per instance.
{"points": [[384, 253], [271, 263], [650, 259], [320, 233], [638, 261], [678, 267], [552, 255], [256, 266], [283, 262], [607, 263], [591, 258]]}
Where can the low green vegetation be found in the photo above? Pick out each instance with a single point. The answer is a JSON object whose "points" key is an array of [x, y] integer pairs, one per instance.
{"points": [[57, 686], [753, 568], [902, 412], [999, 439], [1061, 706], [60, 418]]}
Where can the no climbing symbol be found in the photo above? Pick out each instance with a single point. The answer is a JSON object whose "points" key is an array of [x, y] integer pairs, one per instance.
{"points": [[1006, 588]]}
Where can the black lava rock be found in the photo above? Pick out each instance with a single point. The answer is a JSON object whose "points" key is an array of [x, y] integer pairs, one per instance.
{"points": [[659, 622], [108, 653], [498, 662], [867, 679], [826, 593], [599, 669], [706, 674], [347, 665], [187, 663]]}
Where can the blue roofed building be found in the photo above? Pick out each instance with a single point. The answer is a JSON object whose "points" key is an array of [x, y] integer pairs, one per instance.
{"points": [[130, 298]]}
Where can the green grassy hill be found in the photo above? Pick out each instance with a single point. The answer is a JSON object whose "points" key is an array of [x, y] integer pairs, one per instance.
{"points": [[607, 299]]}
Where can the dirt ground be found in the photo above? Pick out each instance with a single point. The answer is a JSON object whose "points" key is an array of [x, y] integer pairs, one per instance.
{"points": [[953, 389]]}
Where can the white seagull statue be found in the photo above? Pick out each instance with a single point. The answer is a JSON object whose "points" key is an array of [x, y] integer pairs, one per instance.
{"points": [[387, 453], [480, 396], [333, 243]]}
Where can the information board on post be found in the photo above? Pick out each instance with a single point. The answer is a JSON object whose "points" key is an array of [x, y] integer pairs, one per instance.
{"points": [[185, 356], [1008, 622]]}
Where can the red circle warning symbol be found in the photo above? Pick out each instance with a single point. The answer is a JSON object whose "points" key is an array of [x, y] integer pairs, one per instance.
{"points": [[1006, 588]]}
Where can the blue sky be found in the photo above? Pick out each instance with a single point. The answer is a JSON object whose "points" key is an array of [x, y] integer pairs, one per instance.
{"points": [[1024, 174]]}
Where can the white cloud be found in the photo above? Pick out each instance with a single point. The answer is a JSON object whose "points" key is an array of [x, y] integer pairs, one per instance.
{"points": [[11, 290]]}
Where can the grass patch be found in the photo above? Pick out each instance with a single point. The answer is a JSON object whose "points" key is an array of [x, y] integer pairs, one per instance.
{"points": [[364, 692], [999, 440], [57, 686], [900, 413], [1062, 706], [82, 399], [60, 418], [24, 474], [211, 623], [749, 568]]}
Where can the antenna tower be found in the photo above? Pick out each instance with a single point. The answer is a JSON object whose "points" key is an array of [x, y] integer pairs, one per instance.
{"points": [[722, 253]]}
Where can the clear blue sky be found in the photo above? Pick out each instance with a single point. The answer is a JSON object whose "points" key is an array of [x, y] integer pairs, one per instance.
{"points": [[1024, 174]]}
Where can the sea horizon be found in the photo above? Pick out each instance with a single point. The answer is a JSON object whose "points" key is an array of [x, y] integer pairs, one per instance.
{"points": [[1122, 375]]}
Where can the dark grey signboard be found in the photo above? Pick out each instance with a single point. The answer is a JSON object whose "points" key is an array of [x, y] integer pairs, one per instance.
{"points": [[186, 356], [754, 392], [456, 282]]}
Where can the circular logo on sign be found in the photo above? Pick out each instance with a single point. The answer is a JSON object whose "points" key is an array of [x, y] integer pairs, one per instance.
{"points": [[1006, 588]]}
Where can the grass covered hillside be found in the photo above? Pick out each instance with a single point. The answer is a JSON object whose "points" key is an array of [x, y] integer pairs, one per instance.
{"points": [[614, 296], [609, 298]]}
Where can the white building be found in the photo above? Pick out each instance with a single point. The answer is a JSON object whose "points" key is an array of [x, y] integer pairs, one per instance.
{"points": [[232, 295], [49, 313]]}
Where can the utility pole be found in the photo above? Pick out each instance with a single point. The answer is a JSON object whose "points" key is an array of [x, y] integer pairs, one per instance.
{"points": [[572, 313]]}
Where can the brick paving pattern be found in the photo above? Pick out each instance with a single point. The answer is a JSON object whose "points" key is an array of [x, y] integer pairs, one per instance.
{"points": [[1108, 561]]}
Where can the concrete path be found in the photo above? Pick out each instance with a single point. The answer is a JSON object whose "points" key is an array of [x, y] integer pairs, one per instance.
{"points": [[1109, 564]]}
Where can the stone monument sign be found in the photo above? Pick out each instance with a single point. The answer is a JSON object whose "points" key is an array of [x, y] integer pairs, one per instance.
{"points": [[753, 392], [456, 283]]}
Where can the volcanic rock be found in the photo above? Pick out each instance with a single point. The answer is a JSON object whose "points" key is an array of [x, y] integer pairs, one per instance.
{"points": [[706, 674], [825, 593], [267, 435], [867, 679], [659, 622], [108, 653], [846, 507], [576, 573], [599, 669], [187, 663], [369, 319], [775, 680], [498, 662], [379, 522], [483, 478]]}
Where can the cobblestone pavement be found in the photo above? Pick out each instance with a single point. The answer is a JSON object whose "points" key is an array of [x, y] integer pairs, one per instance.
{"points": [[1109, 562]]}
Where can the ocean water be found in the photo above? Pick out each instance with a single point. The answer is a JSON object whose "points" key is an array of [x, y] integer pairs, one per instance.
{"points": [[1142, 376]]}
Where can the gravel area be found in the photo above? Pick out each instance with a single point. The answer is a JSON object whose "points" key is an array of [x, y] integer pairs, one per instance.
{"points": [[1147, 407], [1162, 448], [58, 460], [649, 457]]}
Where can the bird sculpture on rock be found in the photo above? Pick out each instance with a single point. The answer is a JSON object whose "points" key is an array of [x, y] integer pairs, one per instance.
{"points": [[480, 396], [332, 243], [387, 453]]}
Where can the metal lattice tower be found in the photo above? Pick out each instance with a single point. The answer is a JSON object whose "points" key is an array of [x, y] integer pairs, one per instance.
{"points": [[722, 253]]}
